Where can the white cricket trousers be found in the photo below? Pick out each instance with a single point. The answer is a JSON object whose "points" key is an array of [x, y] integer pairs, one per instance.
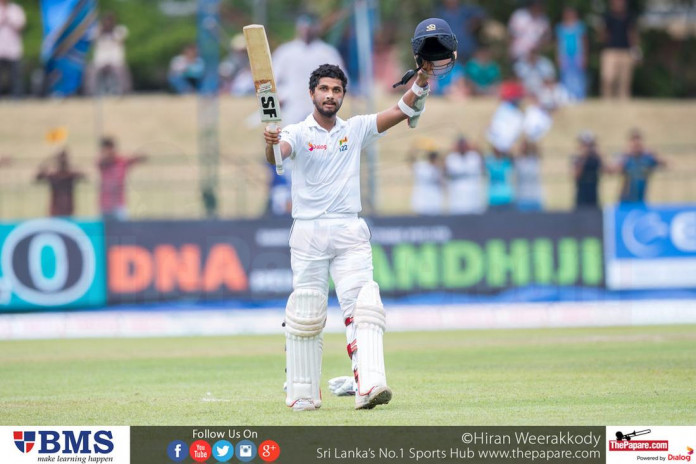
{"points": [[339, 247]]}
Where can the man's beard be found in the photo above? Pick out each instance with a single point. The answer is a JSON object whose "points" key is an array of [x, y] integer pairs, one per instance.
{"points": [[327, 113]]}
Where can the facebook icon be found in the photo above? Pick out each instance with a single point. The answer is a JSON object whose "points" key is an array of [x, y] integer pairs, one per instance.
{"points": [[177, 450]]}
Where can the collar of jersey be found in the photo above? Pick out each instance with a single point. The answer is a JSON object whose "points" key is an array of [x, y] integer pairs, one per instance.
{"points": [[311, 122]]}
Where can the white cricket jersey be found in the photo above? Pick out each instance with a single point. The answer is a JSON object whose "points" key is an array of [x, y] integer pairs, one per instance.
{"points": [[326, 171], [465, 182]]}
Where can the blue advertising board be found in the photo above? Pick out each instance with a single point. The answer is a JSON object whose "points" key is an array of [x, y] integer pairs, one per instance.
{"points": [[51, 263], [650, 246]]}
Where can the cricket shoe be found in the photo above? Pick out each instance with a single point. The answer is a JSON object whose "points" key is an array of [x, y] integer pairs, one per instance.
{"points": [[305, 404], [377, 395]]}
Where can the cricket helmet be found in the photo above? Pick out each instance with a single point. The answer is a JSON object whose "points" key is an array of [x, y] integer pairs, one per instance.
{"points": [[434, 41]]}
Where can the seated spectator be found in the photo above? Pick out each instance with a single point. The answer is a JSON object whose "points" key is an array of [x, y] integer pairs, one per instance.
{"points": [[427, 197], [234, 70], [528, 188], [482, 73], [529, 29], [452, 84], [534, 71], [110, 73], [186, 70]]}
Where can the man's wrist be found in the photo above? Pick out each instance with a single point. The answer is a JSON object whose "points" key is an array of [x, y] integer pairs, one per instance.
{"points": [[420, 89]]}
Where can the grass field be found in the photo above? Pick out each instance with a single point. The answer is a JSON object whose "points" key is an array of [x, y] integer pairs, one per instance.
{"points": [[593, 376]]}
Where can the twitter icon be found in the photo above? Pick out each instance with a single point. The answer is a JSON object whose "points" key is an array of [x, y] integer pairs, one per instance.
{"points": [[223, 451]]}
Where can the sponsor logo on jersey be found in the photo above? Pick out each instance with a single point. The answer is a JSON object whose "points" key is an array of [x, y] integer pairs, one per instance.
{"points": [[313, 147]]}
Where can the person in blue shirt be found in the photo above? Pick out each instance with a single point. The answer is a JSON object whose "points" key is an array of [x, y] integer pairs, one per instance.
{"points": [[636, 166], [501, 172], [571, 53], [465, 21]]}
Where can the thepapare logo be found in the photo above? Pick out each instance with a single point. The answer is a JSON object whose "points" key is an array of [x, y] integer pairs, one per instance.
{"points": [[66, 442], [313, 147], [24, 441], [47, 262]]}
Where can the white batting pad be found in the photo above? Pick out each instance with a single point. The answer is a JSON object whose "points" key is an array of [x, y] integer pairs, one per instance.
{"points": [[305, 317], [369, 318]]}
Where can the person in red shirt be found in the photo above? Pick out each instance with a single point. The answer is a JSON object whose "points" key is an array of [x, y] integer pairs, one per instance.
{"points": [[62, 182], [113, 168]]}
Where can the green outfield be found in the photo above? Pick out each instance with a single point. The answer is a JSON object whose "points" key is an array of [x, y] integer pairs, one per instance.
{"points": [[593, 376]]}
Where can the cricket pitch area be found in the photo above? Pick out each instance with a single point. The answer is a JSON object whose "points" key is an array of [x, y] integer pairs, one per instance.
{"points": [[553, 376]]}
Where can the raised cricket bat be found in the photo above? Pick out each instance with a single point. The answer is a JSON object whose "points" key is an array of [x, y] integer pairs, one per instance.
{"points": [[262, 72]]}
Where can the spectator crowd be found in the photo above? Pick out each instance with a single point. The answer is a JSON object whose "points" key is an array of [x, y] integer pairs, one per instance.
{"points": [[547, 68]]}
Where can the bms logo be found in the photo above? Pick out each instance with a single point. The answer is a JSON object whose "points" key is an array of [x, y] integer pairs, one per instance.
{"points": [[67, 441], [24, 441]]}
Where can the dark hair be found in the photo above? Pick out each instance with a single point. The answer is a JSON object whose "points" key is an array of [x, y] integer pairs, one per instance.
{"points": [[107, 142], [327, 70]]}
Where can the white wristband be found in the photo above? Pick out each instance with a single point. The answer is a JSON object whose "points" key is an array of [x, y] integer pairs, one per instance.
{"points": [[420, 91], [407, 110]]}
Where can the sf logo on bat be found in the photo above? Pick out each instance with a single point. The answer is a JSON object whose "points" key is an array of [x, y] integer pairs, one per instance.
{"points": [[269, 107]]}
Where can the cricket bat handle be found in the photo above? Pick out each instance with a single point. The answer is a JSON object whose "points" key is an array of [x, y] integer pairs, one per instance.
{"points": [[276, 152]]}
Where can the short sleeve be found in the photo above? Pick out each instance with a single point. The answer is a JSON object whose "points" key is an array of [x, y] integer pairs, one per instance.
{"points": [[290, 134], [366, 128]]}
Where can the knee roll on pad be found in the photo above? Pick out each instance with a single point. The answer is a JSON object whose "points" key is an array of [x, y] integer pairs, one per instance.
{"points": [[369, 308], [305, 313], [305, 317]]}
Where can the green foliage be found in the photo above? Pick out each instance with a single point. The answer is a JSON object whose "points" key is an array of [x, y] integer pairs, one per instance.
{"points": [[668, 70]]}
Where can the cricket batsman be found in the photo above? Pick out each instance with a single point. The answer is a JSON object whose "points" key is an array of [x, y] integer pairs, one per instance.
{"points": [[328, 237]]}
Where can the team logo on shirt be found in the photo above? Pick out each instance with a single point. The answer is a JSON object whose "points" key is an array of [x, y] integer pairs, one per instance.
{"points": [[313, 147], [343, 144]]}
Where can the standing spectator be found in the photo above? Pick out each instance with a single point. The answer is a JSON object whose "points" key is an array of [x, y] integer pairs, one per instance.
{"points": [[464, 174], [528, 188], [186, 70], [571, 53], [427, 185], [621, 49], [529, 30], [482, 73], [505, 127], [500, 170], [62, 182], [465, 21], [587, 168], [294, 61], [12, 22], [113, 168], [279, 193], [637, 165], [508, 120], [111, 74]]}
